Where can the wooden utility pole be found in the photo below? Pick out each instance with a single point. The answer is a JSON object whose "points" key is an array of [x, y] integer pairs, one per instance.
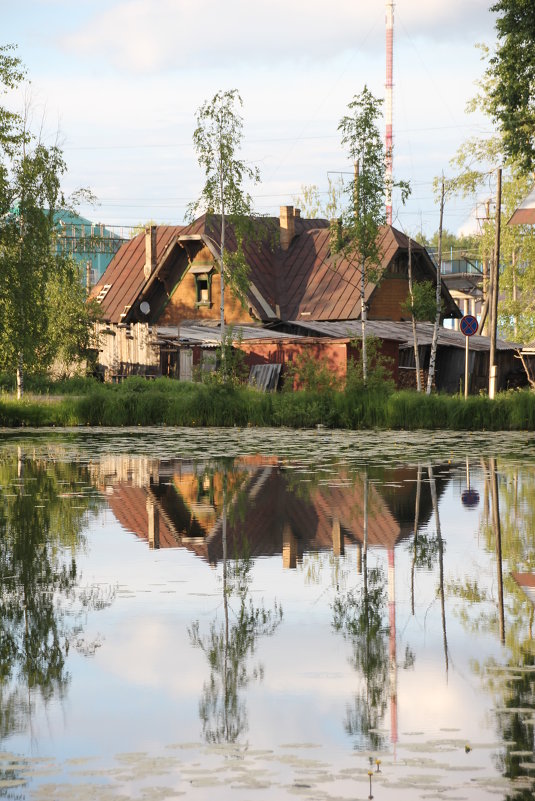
{"points": [[495, 283], [413, 319], [486, 284]]}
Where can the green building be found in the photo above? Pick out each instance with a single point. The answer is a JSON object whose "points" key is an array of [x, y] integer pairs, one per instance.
{"points": [[90, 244]]}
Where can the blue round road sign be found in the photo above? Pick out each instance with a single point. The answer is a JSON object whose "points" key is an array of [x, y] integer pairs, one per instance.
{"points": [[470, 498], [469, 325]]}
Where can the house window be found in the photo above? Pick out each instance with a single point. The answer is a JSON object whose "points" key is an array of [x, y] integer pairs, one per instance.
{"points": [[203, 289]]}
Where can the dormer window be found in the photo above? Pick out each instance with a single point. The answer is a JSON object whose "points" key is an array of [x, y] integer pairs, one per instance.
{"points": [[203, 284]]}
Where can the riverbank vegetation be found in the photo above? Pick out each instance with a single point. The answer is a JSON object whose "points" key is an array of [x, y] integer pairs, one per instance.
{"points": [[138, 402]]}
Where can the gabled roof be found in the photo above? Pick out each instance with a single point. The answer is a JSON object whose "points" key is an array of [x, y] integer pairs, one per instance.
{"points": [[124, 279], [308, 281], [525, 213]]}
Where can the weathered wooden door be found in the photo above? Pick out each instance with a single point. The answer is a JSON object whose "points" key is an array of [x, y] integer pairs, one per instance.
{"points": [[186, 364]]}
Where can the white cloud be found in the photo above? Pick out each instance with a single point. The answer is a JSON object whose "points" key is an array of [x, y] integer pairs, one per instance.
{"points": [[143, 35]]}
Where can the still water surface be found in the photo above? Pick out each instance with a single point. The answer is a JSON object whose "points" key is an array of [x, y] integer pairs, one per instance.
{"points": [[264, 615]]}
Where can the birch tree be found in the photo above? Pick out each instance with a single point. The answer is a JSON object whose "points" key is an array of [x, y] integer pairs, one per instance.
{"points": [[365, 210], [30, 193], [434, 341], [217, 140]]}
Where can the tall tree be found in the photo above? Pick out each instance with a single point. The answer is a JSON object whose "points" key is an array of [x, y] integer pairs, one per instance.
{"points": [[365, 210], [476, 163], [217, 140], [511, 72], [30, 192]]}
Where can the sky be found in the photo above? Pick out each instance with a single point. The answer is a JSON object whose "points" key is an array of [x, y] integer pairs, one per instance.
{"points": [[119, 83]]}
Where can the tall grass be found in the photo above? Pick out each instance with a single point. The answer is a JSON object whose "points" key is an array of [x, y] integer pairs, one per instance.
{"points": [[166, 402]]}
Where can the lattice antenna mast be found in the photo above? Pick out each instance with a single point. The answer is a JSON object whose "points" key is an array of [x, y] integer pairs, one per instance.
{"points": [[388, 105]]}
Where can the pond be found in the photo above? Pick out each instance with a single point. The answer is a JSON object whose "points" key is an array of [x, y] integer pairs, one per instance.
{"points": [[266, 614]]}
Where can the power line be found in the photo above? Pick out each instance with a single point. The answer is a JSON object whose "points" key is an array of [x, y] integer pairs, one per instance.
{"points": [[264, 140]]}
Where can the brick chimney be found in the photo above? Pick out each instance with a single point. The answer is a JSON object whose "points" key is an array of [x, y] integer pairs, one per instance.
{"points": [[150, 251], [287, 226]]}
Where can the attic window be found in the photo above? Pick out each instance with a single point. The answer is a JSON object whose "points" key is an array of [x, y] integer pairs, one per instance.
{"points": [[103, 292], [203, 289]]}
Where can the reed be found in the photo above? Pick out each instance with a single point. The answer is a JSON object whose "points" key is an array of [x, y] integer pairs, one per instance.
{"points": [[167, 402]]}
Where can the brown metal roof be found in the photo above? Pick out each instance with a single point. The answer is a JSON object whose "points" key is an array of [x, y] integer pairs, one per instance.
{"points": [[306, 281], [399, 332], [525, 213], [125, 276]]}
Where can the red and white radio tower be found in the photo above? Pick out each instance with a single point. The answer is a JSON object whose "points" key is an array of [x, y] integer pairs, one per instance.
{"points": [[388, 105]]}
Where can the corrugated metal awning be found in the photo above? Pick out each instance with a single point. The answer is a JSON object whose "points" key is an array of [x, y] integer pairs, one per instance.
{"points": [[265, 377]]}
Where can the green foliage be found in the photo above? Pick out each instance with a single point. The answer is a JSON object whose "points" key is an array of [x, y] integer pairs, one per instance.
{"points": [[169, 402], [312, 205], [217, 139], [307, 372], [451, 243], [379, 374], [365, 211], [511, 73], [502, 96], [42, 308], [69, 336], [26, 255], [516, 308], [423, 305], [231, 368]]}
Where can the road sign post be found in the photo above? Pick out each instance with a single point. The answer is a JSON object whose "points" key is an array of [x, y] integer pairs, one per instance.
{"points": [[468, 326]]}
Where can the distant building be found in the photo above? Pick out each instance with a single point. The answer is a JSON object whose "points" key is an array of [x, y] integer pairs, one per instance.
{"points": [[86, 242]]}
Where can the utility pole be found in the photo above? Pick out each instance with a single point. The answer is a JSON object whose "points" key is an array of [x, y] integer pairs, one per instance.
{"points": [[486, 283], [495, 283]]}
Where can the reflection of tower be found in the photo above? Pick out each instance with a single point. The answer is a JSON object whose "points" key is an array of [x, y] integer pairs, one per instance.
{"points": [[338, 538], [153, 522], [289, 547], [392, 649]]}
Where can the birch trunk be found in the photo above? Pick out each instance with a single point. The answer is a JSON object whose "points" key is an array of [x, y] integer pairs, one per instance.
{"points": [[434, 343], [222, 265], [363, 317], [20, 376]]}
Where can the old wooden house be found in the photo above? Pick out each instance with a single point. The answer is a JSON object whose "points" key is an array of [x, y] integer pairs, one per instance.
{"points": [[159, 297]]}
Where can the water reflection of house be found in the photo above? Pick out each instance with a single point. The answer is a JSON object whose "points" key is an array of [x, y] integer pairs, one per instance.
{"points": [[274, 508]]}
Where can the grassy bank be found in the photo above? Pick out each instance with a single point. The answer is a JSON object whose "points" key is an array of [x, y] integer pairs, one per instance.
{"points": [[172, 403]]}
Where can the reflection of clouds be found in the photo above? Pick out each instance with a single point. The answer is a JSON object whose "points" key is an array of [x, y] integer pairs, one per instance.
{"points": [[142, 35], [427, 703], [145, 652]]}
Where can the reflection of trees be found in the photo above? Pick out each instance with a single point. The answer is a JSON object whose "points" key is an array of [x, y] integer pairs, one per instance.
{"points": [[359, 616], [230, 643], [40, 530], [511, 686], [496, 605]]}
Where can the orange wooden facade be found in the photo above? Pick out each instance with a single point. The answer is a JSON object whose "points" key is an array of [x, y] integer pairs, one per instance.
{"points": [[184, 305], [387, 301]]}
